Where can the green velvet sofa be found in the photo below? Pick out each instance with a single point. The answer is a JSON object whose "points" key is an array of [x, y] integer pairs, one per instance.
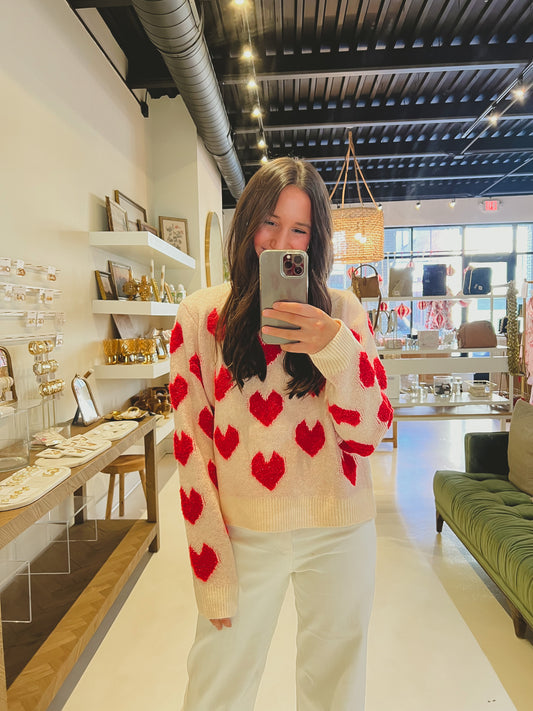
{"points": [[493, 519]]}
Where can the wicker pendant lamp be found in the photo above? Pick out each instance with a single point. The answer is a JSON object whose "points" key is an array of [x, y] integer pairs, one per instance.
{"points": [[358, 232]]}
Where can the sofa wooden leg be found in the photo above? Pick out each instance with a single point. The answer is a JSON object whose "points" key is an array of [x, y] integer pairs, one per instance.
{"points": [[440, 522], [520, 625]]}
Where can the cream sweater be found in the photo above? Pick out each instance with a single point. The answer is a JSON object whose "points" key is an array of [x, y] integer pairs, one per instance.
{"points": [[257, 459]]}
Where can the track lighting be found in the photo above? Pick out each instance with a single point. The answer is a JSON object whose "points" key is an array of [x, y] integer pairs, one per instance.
{"points": [[256, 113], [418, 205], [452, 203], [261, 143], [264, 158]]}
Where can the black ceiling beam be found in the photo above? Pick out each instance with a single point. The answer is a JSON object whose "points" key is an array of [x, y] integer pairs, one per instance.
{"points": [[394, 151], [85, 4], [446, 112], [314, 65]]}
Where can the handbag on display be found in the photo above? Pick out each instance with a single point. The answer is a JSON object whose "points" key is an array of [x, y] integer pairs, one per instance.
{"points": [[434, 280], [477, 280], [477, 334], [401, 281], [367, 286]]}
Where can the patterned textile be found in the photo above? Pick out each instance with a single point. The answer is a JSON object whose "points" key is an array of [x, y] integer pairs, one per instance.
{"points": [[256, 458]]}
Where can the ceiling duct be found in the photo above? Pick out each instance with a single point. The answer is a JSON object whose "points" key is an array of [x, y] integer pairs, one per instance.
{"points": [[174, 28]]}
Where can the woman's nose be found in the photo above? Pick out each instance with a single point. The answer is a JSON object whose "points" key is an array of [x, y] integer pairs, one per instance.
{"points": [[281, 240]]}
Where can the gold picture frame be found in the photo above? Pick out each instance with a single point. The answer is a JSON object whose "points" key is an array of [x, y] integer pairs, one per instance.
{"points": [[117, 216], [174, 230], [105, 285]]}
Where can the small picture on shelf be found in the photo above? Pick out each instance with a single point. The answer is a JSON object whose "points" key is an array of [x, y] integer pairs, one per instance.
{"points": [[120, 274], [135, 211], [105, 286], [174, 231], [125, 326], [117, 217], [145, 227]]}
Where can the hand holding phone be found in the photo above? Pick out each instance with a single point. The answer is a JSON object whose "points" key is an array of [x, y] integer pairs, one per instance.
{"points": [[282, 277]]}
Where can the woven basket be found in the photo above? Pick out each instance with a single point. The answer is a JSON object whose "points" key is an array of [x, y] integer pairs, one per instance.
{"points": [[358, 232]]}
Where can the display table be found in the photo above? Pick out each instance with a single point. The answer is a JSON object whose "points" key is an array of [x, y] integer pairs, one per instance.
{"points": [[82, 598]]}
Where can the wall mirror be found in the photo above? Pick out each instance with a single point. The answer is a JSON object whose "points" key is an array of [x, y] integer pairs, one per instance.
{"points": [[214, 250], [87, 412]]}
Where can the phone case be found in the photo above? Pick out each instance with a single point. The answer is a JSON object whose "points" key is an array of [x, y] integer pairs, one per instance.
{"points": [[282, 277]]}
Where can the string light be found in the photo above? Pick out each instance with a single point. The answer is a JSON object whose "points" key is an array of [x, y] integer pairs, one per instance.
{"points": [[252, 84]]}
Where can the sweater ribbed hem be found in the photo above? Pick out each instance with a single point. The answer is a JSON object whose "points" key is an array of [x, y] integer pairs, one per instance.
{"points": [[288, 514], [337, 355], [216, 602]]}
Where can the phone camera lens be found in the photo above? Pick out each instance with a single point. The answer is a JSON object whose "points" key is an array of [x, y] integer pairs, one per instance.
{"points": [[288, 264], [298, 259], [298, 270]]}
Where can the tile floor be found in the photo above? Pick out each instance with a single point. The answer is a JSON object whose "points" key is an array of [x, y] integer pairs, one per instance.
{"points": [[441, 638]]}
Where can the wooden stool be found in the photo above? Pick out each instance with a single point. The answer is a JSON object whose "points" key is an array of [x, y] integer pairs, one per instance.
{"points": [[123, 465]]}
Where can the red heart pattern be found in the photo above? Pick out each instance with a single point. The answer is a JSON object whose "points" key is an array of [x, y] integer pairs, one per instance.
{"points": [[195, 367], [340, 415], [223, 382], [311, 441], [183, 447], [212, 471], [268, 473], [176, 338], [381, 374], [226, 443], [349, 467], [385, 412], [192, 505], [203, 563], [266, 410], [364, 450], [177, 390], [366, 372], [212, 322], [206, 421], [370, 327], [271, 351], [356, 335]]}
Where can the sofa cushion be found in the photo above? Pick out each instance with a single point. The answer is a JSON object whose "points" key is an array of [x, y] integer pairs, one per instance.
{"points": [[495, 521], [520, 450]]}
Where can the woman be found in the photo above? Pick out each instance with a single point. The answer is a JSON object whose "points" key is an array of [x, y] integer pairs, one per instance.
{"points": [[273, 445]]}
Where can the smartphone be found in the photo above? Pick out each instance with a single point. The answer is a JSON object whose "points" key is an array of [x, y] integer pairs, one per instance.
{"points": [[282, 277]]}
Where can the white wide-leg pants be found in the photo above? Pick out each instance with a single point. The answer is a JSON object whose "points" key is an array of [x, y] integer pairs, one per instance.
{"points": [[332, 571]]}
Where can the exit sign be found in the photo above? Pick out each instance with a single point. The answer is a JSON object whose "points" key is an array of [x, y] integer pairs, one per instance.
{"points": [[491, 205]]}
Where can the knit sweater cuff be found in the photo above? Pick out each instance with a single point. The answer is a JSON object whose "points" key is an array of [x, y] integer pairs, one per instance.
{"points": [[338, 355], [216, 603]]}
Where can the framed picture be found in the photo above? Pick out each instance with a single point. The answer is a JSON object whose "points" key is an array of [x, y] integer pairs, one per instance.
{"points": [[120, 274], [134, 210], [145, 227], [105, 285], [117, 217], [174, 231], [125, 326]]}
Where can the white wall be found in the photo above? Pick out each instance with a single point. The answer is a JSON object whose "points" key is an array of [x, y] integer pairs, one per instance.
{"points": [[71, 133]]}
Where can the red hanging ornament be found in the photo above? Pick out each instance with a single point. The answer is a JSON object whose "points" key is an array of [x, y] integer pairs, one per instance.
{"points": [[403, 311]]}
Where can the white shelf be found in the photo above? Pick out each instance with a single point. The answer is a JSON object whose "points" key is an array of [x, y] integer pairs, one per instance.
{"points": [[140, 246], [143, 371], [427, 366], [434, 401], [134, 308]]}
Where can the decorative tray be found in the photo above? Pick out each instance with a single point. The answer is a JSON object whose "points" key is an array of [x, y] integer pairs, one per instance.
{"points": [[27, 485], [73, 452], [114, 430], [132, 413]]}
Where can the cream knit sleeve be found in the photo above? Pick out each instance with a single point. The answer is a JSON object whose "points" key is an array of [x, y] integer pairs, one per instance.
{"points": [[355, 381], [210, 552]]}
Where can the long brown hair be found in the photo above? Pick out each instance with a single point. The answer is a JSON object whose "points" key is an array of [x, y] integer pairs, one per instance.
{"points": [[239, 323]]}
